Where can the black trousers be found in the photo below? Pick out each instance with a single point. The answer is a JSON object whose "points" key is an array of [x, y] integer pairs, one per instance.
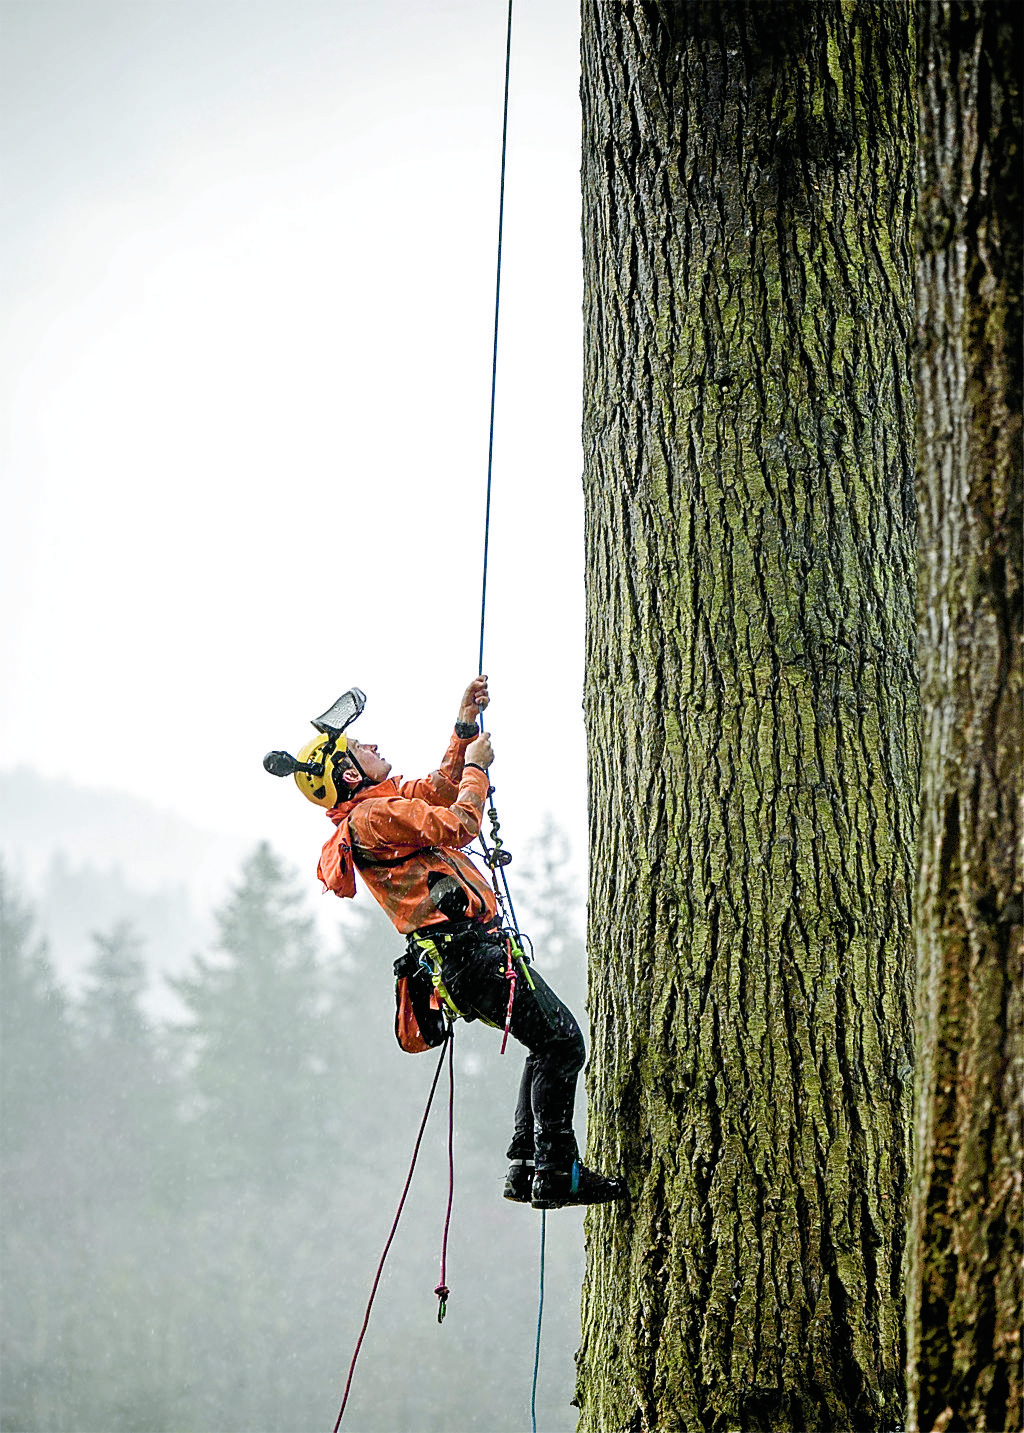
{"points": [[473, 965]]}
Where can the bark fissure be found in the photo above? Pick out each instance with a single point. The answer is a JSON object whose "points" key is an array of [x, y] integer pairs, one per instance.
{"points": [[964, 1279], [747, 178]]}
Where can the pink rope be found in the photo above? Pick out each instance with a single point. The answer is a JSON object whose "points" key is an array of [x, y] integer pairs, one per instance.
{"points": [[394, 1230], [510, 976]]}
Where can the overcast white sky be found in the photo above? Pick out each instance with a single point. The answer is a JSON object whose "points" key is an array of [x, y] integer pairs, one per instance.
{"points": [[248, 269]]}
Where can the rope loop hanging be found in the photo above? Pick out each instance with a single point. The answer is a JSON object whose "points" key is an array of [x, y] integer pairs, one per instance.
{"points": [[445, 1050], [442, 1291]]}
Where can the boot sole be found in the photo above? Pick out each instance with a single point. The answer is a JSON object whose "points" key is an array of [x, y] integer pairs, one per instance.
{"points": [[577, 1203]]}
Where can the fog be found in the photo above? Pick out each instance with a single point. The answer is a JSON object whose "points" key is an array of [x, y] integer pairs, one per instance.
{"points": [[248, 291], [248, 280], [194, 1205]]}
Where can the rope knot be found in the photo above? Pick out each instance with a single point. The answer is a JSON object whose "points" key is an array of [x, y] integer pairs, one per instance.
{"points": [[442, 1291]]}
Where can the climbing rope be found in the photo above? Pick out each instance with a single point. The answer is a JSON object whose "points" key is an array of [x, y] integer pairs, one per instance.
{"points": [[447, 1046], [494, 351], [496, 856], [442, 1291], [540, 1316], [496, 859]]}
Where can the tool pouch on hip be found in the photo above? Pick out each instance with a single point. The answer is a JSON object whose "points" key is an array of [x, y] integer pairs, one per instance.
{"points": [[419, 1020]]}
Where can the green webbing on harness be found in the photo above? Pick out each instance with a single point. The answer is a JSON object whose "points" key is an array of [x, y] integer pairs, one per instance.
{"points": [[519, 956], [431, 957]]}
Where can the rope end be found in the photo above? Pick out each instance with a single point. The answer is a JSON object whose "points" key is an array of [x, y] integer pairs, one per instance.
{"points": [[442, 1291]]}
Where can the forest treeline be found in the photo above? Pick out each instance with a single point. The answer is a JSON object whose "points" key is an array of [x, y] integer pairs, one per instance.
{"points": [[193, 1210]]}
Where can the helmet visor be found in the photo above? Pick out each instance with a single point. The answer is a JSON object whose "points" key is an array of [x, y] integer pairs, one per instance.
{"points": [[342, 714]]}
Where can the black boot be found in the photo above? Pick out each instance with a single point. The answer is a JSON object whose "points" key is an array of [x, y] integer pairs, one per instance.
{"points": [[557, 1188], [519, 1181]]}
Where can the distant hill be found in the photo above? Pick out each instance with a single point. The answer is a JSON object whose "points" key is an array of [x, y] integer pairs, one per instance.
{"points": [[107, 829], [87, 858]]}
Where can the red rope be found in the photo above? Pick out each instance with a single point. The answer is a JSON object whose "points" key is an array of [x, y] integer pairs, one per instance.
{"points": [[510, 976], [394, 1227], [442, 1291]]}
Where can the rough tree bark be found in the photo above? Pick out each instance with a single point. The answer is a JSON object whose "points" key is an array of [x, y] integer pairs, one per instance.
{"points": [[751, 703], [964, 1285]]}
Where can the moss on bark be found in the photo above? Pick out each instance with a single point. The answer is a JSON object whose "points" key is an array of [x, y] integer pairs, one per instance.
{"points": [[751, 706]]}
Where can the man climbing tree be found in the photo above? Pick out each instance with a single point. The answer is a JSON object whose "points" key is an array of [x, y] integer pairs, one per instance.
{"points": [[406, 839], [751, 707], [964, 1284]]}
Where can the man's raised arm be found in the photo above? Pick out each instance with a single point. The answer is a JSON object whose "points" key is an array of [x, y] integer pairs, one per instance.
{"points": [[441, 787]]}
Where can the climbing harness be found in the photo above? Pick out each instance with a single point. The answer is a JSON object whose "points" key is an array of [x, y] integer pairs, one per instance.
{"points": [[422, 1000], [429, 955]]}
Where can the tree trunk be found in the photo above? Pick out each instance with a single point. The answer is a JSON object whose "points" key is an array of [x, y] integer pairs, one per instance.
{"points": [[751, 701], [964, 1286]]}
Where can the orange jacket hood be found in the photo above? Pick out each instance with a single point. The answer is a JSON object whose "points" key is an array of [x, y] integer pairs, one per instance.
{"points": [[336, 867]]}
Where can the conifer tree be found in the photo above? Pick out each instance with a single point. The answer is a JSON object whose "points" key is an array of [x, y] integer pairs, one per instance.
{"points": [[35, 1044], [262, 1089], [545, 888], [260, 1048], [124, 1217], [130, 1098], [40, 1173]]}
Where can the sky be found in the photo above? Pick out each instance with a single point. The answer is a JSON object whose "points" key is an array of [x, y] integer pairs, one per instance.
{"points": [[248, 254]]}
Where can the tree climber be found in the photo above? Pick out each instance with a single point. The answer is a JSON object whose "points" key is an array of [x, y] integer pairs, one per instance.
{"points": [[405, 839]]}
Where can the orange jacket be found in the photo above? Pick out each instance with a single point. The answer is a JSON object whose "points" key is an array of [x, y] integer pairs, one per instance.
{"points": [[403, 835]]}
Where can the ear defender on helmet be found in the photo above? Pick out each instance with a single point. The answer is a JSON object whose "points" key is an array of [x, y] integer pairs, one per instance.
{"points": [[317, 768]]}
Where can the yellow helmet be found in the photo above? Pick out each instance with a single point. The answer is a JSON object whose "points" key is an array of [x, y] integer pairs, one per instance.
{"points": [[324, 752], [318, 766]]}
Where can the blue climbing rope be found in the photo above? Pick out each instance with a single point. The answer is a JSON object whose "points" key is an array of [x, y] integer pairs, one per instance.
{"points": [[497, 867], [540, 1317], [492, 858], [494, 351]]}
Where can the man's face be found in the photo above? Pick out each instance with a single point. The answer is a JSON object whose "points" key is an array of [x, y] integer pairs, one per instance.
{"points": [[372, 765]]}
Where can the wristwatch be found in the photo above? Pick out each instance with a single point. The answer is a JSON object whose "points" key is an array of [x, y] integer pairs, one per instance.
{"points": [[464, 730]]}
